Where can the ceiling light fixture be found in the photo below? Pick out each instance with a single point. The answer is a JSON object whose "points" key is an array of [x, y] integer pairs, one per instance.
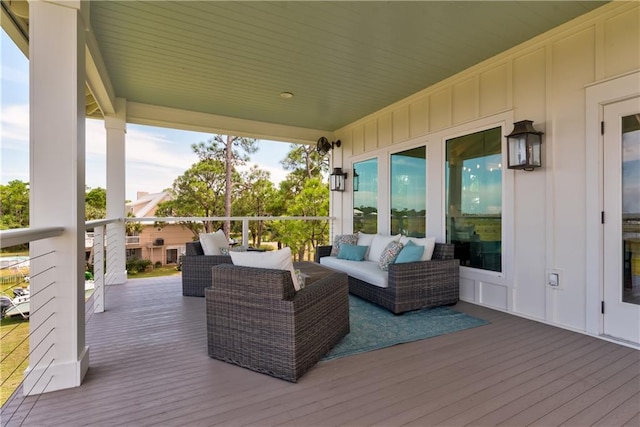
{"points": [[286, 95]]}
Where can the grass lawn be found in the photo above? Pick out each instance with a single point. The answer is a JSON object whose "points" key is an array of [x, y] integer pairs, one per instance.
{"points": [[14, 354], [169, 270]]}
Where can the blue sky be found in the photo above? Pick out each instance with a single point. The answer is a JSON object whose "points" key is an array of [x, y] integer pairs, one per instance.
{"points": [[154, 156]]}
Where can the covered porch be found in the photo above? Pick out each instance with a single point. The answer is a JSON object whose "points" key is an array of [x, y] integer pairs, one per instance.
{"points": [[166, 64], [149, 366]]}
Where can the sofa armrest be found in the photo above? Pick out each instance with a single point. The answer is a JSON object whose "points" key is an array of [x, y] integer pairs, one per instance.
{"points": [[436, 280], [321, 290], [253, 282], [322, 251]]}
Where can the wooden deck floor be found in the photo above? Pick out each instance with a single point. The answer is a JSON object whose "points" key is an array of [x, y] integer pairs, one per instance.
{"points": [[149, 366]]}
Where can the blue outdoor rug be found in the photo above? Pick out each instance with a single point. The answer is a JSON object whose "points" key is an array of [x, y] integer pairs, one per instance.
{"points": [[374, 327]]}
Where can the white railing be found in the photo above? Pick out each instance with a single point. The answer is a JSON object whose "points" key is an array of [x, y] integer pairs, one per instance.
{"points": [[20, 236], [244, 219]]}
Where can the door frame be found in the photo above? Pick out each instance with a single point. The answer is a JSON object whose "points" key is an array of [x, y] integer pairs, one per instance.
{"points": [[597, 96]]}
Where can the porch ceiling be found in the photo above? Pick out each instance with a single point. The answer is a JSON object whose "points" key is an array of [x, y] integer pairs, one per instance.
{"points": [[341, 60]]}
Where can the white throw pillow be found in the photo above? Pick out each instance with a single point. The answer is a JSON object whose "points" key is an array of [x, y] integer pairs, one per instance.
{"points": [[212, 243], [378, 244], [275, 260], [429, 244], [365, 239]]}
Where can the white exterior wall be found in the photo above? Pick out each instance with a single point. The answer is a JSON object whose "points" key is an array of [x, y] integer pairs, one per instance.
{"points": [[544, 215]]}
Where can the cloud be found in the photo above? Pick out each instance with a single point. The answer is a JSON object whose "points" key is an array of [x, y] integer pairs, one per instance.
{"points": [[14, 75], [15, 126]]}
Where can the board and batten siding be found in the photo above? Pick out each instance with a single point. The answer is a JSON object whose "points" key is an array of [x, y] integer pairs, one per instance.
{"points": [[544, 220]]}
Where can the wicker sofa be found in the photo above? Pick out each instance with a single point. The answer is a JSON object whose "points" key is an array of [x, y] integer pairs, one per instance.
{"points": [[413, 285], [255, 319], [196, 269]]}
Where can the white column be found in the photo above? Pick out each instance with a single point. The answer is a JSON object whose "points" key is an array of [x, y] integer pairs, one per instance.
{"points": [[59, 357], [116, 126]]}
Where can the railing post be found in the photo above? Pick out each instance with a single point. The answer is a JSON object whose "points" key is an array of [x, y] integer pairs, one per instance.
{"points": [[245, 232], [98, 269]]}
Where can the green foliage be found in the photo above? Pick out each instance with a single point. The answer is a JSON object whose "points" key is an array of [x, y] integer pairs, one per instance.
{"points": [[233, 151], [135, 266], [303, 236], [305, 163], [95, 204], [210, 185], [14, 205], [133, 228], [256, 198], [198, 192]]}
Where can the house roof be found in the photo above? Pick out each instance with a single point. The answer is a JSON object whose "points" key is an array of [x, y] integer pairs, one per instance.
{"points": [[147, 204], [341, 60]]}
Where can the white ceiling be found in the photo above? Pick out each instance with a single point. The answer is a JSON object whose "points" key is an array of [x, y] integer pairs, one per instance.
{"points": [[342, 60]]}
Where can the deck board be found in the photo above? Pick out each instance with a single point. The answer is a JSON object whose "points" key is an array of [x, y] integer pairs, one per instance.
{"points": [[149, 366]]}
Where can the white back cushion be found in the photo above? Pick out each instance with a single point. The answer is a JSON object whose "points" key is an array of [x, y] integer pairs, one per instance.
{"points": [[275, 260], [378, 244], [429, 244], [213, 242]]}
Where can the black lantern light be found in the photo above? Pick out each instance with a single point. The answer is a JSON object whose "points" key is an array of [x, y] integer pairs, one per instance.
{"points": [[337, 179], [356, 180], [524, 146]]}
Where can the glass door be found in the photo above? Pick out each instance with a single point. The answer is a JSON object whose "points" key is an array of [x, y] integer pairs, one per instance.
{"points": [[622, 220]]}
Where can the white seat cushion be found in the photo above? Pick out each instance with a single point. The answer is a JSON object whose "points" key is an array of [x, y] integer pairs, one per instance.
{"points": [[367, 271]]}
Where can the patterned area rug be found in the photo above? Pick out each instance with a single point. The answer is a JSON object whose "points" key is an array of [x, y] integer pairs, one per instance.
{"points": [[373, 327]]}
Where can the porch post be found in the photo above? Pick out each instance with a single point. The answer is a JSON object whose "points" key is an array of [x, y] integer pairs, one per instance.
{"points": [[59, 356], [116, 126]]}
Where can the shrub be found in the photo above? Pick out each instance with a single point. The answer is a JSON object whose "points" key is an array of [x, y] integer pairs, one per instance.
{"points": [[158, 264], [134, 266]]}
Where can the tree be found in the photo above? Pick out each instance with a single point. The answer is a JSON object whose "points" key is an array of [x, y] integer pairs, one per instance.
{"points": [[234, 151], [303, 236], [95, 203], [133, 228], [256, 198], [304, 162], [198, 192], [14, 205]]}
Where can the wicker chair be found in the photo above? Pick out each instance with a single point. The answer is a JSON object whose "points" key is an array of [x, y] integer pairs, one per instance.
{"points": [[255, 319], [196, 269], [413, 285]]}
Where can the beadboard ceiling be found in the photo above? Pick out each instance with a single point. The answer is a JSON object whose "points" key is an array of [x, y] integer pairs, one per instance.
{"points": [[342, 60]]}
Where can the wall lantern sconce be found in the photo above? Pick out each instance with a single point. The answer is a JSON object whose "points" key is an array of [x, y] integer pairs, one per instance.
{"points": [[523, 146], [356, 180], [337, 179], [323, 145]]}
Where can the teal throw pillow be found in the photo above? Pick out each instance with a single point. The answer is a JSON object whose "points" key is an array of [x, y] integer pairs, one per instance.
{"points": [[352, 252], [410, 253]]}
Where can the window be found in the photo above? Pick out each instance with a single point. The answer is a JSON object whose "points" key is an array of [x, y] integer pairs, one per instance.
{"points": [[409, 192], [474, 198], [365, 198]]}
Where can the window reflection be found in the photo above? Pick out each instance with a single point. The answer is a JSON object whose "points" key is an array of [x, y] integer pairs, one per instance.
{"points": [[365, 199], [474, 198], [409, 192]]}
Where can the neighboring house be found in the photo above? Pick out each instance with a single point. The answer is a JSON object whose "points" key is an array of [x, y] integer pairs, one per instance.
{"points": [[162, 244]]}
